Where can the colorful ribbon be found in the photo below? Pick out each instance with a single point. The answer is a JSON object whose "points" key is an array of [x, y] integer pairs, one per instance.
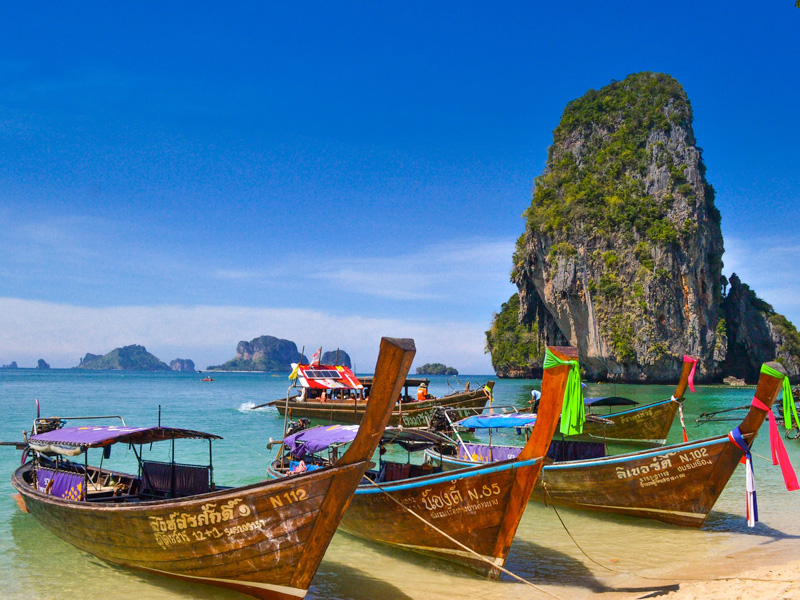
{"points": [[573, 414], [779, 454], [683, 425], [736, 438], [687, 358]]}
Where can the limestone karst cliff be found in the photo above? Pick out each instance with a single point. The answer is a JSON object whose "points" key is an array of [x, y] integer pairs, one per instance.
{"points": [[264, 353], [622, 251]]}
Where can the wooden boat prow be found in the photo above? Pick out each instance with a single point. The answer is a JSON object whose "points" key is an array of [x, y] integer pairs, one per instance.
{"points": [[479, 506], [265, 539], [677, 484]]}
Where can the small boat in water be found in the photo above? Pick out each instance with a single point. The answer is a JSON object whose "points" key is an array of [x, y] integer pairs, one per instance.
{"points": [[266, 539], [676, 484], [645, 425], [468, 516], [333, 393]]}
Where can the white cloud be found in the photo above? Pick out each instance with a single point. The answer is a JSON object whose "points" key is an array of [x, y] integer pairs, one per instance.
{"points": [[62, 333]]}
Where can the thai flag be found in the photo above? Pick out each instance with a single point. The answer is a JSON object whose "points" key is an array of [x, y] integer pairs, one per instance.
{"points": [[316, 357]]}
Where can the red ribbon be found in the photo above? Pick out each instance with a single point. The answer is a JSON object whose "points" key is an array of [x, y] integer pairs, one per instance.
{"points": [[687, 358], [779, 454]]}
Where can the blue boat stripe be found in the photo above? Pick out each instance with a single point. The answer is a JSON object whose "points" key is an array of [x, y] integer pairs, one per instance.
{"points": [[608, 459], [452, 476], [633, 410]]}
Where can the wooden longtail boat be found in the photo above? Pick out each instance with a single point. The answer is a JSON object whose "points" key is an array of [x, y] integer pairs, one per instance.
{"points": [[648, 424], [479, 506], [346, 398], [266, 539], [676, 484]]}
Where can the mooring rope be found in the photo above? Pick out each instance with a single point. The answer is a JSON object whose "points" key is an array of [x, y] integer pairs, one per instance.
{"points": [[459, 544], [669, 579]]}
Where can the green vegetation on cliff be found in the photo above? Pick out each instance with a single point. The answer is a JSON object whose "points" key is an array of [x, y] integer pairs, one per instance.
{"points": [[514, 346], [598, 184], [436, 369]]}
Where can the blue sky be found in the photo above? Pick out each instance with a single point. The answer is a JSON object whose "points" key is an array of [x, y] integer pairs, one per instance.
{"points": [[190, 175]]}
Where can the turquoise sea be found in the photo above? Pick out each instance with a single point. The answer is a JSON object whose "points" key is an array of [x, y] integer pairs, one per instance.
{"points": [[567, 554]]}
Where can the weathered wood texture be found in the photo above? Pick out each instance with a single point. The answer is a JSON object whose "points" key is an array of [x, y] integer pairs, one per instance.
{"points": [[479, 506], [407, 414], [265, 539], [676, 484]]}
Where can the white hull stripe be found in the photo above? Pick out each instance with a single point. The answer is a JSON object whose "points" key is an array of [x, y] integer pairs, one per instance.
{"points": [[283, 589]]}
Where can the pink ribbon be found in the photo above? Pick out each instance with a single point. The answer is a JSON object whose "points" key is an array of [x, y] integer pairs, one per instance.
{"points": [[687, 358], [779, 454]]}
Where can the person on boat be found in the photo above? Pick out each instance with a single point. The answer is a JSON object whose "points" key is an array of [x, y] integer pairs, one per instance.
{"points": [[323, 397], [422, 392], [303, 395]]}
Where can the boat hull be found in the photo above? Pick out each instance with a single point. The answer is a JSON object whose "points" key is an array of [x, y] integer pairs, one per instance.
{"points": [[471, 505], [646, 425], [265, 540], [678, 485], [408, 414]]}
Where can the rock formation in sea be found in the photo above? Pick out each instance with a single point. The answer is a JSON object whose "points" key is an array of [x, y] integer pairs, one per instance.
{"points": [[265, 353], [182, 364], [127, 358], [436, 369], [622, 251], [41, 364], [756, 334], [336, 357], [11, 365]]}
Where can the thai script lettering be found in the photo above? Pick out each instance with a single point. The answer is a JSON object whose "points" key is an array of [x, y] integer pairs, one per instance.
{"points": [[165, 529]]}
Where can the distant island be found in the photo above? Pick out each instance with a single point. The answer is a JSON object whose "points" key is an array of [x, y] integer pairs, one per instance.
{"points": [[127, 358], [11, 365], [182, 364], [264, 353], [436, 369], [41, 364], [276, 355]]}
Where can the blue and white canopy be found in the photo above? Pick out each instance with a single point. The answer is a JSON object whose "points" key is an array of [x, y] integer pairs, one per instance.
{"points": [[503, 421]]}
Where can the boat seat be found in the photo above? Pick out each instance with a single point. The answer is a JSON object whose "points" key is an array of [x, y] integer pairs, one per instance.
{"points": [[160, 478]]}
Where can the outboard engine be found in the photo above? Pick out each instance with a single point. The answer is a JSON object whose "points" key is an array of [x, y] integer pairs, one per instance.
{"points": [[438, 420], [295, 426]]}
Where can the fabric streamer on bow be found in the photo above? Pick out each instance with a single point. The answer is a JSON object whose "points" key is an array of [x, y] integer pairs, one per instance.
{"points": [[779, 454], [683, 425], [736, 438], [573, 413], [691, 359]]}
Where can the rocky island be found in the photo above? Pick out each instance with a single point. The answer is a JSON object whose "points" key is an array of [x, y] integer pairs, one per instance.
{"points": [[264, 353], [127, 358], [622, 252], [11, 365], [182, 364], [436, 369]]}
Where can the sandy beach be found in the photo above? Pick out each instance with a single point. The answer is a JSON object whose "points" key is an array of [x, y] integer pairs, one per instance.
{"points": [[771, 580]]}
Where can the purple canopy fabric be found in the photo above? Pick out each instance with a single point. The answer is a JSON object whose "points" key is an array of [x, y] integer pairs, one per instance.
{"points": [[484, 453], [79, 438], [62, 484], [498, 421], [319, 438]]}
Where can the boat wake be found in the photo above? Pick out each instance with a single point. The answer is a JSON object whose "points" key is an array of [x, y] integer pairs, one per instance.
{"points": [[246, 406]]}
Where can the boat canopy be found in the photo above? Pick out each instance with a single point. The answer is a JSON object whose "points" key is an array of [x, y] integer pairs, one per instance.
{"points": [[609, 401], [70, 441], [320, 438], [502, 421], [325, 377]]}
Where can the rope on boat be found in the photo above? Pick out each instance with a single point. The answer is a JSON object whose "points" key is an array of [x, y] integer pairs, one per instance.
{"points": [[670, 579], [574, 541], [459, 544]]}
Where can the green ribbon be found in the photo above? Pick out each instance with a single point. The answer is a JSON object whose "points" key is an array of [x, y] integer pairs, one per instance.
{"points": [[789, 409], [573, 414]]}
